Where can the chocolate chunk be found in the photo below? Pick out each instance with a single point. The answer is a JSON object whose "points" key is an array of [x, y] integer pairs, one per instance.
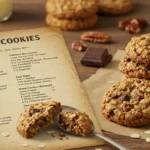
{"points": [[33, 111], [114, 96], [96, 57], [128, 107], [62, 134], [139, 97], [124, 97]]}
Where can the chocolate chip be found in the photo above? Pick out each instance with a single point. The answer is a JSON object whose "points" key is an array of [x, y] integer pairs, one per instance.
{"points": [[139, 97], [62, 134], [128, 107], [138, 81], [114, 96], [124, 97], [127, 60], [33, 111]]}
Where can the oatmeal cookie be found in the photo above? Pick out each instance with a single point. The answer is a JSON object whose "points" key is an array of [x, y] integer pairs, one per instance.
{"points": [[72, 9], [70, 24], [133, 69], [128, 102], [115, 7], [37, 116], [138, 49], [76, 122]]}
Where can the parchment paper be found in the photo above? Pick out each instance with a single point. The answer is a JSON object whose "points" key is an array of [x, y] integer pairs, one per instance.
{"points": [[35, 66], [97, 85]]}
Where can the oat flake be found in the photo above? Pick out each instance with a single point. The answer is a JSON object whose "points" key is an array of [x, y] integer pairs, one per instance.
{"points": [[25, 145], [135, 136], [148, 139], [147, 132], [5, 134], [41, 145]]}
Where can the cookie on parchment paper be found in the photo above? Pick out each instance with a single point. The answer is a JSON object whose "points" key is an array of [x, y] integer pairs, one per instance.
{"points": [[138, 49], [71, 24], [36, 117], [115, 7], [128, 102], [133, 69], [72, 9]]}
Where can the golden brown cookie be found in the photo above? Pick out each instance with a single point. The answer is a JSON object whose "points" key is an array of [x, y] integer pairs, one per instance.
{"points": [[128, 102], [133, 69], [72, 9], [138, 49], [76, 122], [70, 24], [36, 117], [115, 7]]}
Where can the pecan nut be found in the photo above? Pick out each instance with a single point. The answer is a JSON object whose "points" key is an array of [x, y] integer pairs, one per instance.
{"points": [[132, 25], [141, 22], [133, 28], [79, 46], [124, 22], [96, 37]]}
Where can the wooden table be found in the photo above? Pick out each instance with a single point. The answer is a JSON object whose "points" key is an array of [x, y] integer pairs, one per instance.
{"points": [[31, 14]]}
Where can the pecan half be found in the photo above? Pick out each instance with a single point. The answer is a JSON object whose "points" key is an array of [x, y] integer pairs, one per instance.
{"points": [[96, 37], [124, 22], [79, 46], [141, 22], [132, 25], [133, 28]]}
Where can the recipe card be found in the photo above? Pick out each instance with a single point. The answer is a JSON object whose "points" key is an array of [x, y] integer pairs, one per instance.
{"points": [[35, 66]]}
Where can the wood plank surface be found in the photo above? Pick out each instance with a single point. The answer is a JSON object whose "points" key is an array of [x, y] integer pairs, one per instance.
{"points": [[31, 14]]}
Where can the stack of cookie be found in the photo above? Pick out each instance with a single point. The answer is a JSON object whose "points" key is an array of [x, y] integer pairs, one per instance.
{"points": [[115, 7], [71, 14], [128, 101]]}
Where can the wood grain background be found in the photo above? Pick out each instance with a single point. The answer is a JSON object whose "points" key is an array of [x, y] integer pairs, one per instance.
{"points": [[31, 14]]}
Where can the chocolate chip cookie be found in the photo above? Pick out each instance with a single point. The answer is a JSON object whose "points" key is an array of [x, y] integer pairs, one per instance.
{"points": [[128, 102], [72, 9], [37, 116], [76, 122], [115, 7], [138, 49], [133, 69], [71, 24]]}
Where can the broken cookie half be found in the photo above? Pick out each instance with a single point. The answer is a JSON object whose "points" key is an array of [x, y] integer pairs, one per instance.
{"points": [[76, 122], [36, 117]]}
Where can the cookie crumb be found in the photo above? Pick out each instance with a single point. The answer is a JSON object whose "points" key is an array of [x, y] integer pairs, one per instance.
{"points": [[41, 145], [61, 138], [135, 136], [111, 81], [52, 133], [5, 134], [148, 139], [67, 138], [147, 132], [25, 145], [62, 134]]}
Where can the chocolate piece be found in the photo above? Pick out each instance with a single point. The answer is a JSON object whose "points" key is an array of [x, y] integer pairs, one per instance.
{"points": [[96, 57], [124, 97], [33, 111]]}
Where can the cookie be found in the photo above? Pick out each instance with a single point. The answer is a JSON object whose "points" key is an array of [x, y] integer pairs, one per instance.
{"points": [[36, 117], [128, 102], [72, 9], [70, 24], [138, 49], [76, 122], [115, 7], [133, 69]]}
